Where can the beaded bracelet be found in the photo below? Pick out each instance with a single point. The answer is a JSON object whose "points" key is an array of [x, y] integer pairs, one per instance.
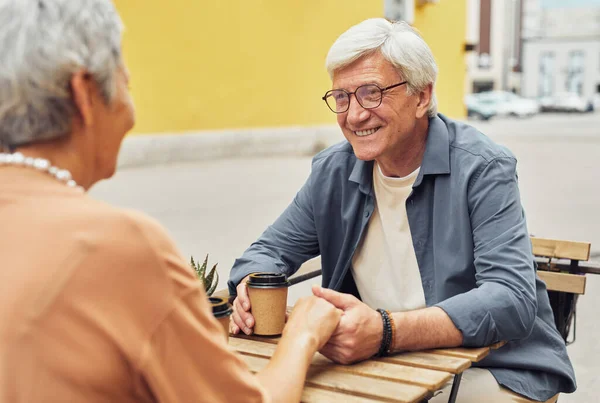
{"points": [[390, 349], [386, 340]]}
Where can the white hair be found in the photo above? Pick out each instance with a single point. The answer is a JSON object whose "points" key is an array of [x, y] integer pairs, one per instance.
{"points": [[398, 43], [42, 44]]}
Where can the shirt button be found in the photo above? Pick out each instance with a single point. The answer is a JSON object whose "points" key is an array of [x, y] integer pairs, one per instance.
{"points": [[367, 214]]}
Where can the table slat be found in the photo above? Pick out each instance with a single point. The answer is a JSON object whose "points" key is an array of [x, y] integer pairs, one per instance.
{"points": [[472, 354], [363, 386], [252, 346], [316, 395], [454, 365], [322, 377], [392, 371], [262, 339], [430, 379]]}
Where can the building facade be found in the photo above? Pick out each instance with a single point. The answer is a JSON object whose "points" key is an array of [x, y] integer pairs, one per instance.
{"points": [[494, 29], [561, 47]]}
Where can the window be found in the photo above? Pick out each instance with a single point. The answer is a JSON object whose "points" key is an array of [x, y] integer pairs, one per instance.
{"points": [[546, 87], [575, 72]]}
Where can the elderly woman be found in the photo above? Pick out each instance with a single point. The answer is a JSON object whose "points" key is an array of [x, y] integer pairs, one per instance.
{"points": [[96, 304]]}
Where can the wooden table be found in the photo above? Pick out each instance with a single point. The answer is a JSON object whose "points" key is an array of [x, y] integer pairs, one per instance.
{"points": [[406, 377]]}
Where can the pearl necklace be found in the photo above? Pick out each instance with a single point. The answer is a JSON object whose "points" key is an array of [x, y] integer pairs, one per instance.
{"points": [[40, 164]]}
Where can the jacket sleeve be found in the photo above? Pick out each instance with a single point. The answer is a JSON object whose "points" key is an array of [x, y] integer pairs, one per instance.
{"points": [[503, 306], [285, 245]]}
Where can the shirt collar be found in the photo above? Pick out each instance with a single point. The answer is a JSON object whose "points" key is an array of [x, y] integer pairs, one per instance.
{"points": [[436, 159], [362, 173]]}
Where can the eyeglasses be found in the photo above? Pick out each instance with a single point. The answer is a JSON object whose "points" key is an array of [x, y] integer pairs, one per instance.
{"points": [[369, 96]]}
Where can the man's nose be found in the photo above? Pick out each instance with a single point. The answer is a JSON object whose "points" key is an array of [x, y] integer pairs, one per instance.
{"points": [[356, 113]]}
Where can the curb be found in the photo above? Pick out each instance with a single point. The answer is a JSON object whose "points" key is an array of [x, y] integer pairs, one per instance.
{"points": [[165, 148]]}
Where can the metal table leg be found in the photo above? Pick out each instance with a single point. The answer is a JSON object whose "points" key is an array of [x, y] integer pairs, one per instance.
{"points": [[455, 386]]}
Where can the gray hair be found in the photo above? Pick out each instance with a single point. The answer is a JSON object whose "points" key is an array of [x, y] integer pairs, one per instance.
{"points": [[398, 43], [42, 44]]}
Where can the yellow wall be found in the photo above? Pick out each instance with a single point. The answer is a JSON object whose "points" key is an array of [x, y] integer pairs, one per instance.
{"points": [[201, 65], [443, 26]]}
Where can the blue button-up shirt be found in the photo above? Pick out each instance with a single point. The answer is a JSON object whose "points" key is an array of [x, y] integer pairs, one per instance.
{"points": [[470, 238]]}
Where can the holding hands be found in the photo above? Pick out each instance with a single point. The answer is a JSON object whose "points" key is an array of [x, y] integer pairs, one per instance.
{"points": [[359, 333], [347, 330]]}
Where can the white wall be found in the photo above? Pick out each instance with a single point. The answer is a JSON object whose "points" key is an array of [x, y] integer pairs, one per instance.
{"points": [[532, 18], [561, 48], [571, 22], [501, 43]]}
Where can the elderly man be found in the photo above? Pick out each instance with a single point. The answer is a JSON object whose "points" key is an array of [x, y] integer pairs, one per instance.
{"points": [[419, 225]]}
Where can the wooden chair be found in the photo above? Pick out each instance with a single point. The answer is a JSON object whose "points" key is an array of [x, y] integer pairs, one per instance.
{"points": [[561, 265]]}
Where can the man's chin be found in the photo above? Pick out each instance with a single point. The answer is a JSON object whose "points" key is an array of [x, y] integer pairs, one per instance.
{"points": [[364, 155]]}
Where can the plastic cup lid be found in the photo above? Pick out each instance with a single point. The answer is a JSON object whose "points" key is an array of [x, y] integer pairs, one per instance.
{"points": [[220, 306], [267, 280]]}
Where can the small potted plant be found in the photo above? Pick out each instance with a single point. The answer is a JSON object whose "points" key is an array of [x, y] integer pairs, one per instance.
{"points": [[210, 279], [220, 307]]}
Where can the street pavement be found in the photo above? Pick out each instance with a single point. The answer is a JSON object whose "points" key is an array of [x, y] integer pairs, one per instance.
{"points": [[221, 206]]}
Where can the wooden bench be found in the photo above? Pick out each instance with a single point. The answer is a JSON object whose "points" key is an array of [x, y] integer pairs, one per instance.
{"points": [[562, 266]]}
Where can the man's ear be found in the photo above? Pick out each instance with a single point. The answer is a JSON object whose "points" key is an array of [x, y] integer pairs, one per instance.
{"points": [[82, 88], [425, 98]]}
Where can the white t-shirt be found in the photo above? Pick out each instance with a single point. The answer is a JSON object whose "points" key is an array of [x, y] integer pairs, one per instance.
{"points": [[384, 265]]}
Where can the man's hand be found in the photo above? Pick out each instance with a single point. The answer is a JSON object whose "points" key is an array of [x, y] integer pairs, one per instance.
{"points": [[241, 317], [360, 331]]}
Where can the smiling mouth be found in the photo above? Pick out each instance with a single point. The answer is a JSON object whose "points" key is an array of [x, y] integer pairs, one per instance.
{"points": [[363, 133]]}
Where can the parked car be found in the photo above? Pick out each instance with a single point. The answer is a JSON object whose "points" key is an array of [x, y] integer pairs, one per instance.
{"points": [[506, 103], [565, 102], [479, 109]]}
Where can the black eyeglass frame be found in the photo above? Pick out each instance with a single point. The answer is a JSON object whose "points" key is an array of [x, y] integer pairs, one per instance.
{"points": [[382, 90]]}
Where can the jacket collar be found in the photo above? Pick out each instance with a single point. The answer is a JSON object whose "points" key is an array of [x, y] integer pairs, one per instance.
{"points": [[436, 159], [362, 173]]}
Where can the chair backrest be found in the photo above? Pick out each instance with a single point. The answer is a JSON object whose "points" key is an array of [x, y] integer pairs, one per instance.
{"points": [[559, 249]]}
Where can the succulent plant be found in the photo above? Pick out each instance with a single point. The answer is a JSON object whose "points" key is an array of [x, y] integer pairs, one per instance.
{"points": [[210, 279]]}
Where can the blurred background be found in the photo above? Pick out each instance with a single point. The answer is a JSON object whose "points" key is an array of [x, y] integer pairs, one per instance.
{"points": [[229, 115], [208, 65]]}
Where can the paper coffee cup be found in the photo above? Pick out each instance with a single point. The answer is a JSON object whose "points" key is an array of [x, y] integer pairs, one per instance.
{"points": [[221, 311], [268, 302]]}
